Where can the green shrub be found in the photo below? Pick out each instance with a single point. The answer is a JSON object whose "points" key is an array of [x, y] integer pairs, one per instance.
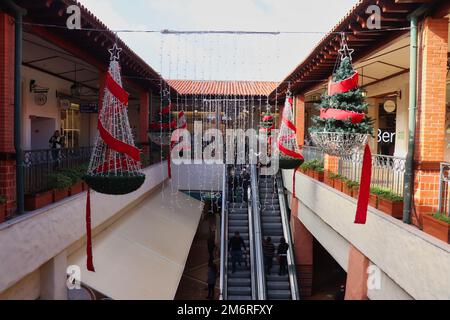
{"points": [[351, 184], [2, 199], [315, 165], [386, 194], [441, 217], [59, 181]]}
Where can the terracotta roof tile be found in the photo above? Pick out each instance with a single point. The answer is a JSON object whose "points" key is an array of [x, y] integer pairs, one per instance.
{"points": [[240, 88]]}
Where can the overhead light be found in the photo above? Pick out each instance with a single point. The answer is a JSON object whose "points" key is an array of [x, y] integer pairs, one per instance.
{"points": [[364, 93]]}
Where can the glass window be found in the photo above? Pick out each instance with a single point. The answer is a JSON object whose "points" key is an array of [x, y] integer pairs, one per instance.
{"points": [[71, 125]]}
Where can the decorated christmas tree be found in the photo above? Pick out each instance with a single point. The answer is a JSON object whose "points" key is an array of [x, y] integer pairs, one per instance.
{"points": [[343, 112], [289, 150], [165, 123], [115, 166]]}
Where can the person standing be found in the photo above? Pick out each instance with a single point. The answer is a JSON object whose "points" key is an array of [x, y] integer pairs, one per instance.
{"points": [[283, 247], [211, 248], [235, 246], [56, 143], [269, 253], [212, 278]]}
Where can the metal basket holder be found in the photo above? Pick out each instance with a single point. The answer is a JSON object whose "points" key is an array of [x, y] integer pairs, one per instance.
{"points": [[340, 144]]}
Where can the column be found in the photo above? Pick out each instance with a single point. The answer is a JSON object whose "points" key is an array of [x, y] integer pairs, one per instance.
{"points": [[300, 118], [303, 249], [430, 133], [54, 278], [358, 264], [7, 150], [144, 120]]}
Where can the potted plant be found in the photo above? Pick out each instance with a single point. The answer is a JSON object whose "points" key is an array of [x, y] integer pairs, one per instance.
{"points": [[329, 178], [390, 203], [2, 208], [304, 167], [60, 184], [355, 192], [82, 170], [373, 197], [319, 174], [437, 225], [75, 177], [349, 187], [338, 182], [38, 200]]}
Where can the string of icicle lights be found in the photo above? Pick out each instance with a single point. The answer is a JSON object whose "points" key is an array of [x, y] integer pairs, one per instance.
{"points": [[199, 32]]}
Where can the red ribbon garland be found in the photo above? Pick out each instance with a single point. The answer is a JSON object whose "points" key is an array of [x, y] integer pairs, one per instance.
{"points": [[117, 145], [342, 115], [343, 86], [283, 149], [116, 90], [89, 259], [364, 190]]}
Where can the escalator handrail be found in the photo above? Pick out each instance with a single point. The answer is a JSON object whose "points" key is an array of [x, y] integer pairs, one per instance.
{"points": [[224, 237], [259, 257], [288, 236], [251, 245]]}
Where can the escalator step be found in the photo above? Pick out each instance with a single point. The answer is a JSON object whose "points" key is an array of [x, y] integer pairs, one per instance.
{"points": [[240, 291], [240, 282], [237, 216], [238, 222], [239, 298], [238, 274], [279, 294], [278, 285]]}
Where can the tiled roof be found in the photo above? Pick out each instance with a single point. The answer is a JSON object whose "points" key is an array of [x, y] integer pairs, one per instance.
{"points": [[218, 88]]}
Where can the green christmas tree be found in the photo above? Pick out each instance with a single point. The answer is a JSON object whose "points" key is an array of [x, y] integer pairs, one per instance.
{"points": [[351, 101]]}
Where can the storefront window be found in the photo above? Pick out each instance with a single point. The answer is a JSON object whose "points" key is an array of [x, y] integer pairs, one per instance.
{"points": [[387, 127], [71, 125]]}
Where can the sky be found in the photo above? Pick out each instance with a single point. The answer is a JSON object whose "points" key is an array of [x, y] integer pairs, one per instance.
{"points": [[222, 57]]}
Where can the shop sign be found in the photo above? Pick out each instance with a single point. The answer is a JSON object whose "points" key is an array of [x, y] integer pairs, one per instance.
{"points": [[89, 108]]}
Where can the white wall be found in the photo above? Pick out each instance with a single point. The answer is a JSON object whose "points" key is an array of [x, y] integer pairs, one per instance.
{"points": [[414, 262], [28, 242], [399, 83], [49, 110], [198, 177]]}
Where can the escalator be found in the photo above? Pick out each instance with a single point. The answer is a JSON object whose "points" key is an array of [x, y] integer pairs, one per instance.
{"points": [[256, 215], [275, 224], [237, 217]]}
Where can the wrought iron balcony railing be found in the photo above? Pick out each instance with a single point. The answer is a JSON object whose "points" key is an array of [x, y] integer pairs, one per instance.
{"points": [[387, 172], [39, 164]]}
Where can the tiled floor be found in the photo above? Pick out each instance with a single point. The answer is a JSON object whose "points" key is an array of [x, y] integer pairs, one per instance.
{"points": [[193, 282]]}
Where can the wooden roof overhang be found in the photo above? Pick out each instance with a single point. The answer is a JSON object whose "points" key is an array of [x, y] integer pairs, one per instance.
{"points": [[320, 63]]}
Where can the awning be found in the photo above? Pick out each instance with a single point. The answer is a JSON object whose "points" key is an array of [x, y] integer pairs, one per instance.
{"points": [[142, 255]]}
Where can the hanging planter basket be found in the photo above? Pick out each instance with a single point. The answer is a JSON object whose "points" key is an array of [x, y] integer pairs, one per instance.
{"points": [[115, 185], [289, 163], [160, 138], [340, 144]]}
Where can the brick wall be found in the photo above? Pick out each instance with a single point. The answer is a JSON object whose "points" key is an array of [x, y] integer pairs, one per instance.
{"points": [[430, 133], [300, 118], [331, 164], [7, 164]]}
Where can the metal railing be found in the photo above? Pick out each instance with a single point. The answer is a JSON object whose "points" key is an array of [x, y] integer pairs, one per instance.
{"points": [[387, 172], [224, 237], [39, 164], [312, 153], [257, 232], [444, 189], [252, 245], [295, 293]]}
